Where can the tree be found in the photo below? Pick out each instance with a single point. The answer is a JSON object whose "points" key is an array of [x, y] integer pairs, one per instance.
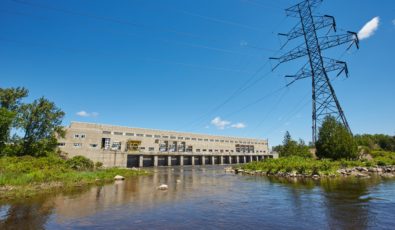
{"points": [[40, 122], [6, 119], [10, 98], [334, 141], [292, 148], [10, 101]]}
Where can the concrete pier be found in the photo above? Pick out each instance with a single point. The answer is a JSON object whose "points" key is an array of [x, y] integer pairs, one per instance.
{"points": [[176, 159]]}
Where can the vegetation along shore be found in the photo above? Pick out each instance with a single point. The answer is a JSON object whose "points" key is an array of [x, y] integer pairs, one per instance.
{"points": [[336, 153], [30, 161]]}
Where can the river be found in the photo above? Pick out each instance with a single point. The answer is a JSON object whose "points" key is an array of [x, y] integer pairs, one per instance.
{"points": [[205, 197]]}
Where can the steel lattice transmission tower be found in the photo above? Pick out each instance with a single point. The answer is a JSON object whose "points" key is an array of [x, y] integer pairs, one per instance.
{"points": [[324, 98]]}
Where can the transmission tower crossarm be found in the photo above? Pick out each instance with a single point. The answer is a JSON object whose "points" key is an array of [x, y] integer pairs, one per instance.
{"points": [[293, 11], [327, 42], [321, 23]]}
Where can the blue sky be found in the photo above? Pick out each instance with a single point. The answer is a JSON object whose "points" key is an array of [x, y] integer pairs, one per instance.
{"points": [[174, 64]]}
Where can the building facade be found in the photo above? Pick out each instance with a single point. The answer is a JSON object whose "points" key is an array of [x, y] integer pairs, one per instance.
{"points": [[136, 147]]}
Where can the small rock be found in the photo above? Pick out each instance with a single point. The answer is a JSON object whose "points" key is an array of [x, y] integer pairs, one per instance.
{"points": [[361, 175], [118, 177], [163, 187], [178, 181], [315, 176], [135, 169]]}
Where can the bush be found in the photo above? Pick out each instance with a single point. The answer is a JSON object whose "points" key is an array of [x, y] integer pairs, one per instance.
{"points": [[80, 163], [335, 141], [98, 165]]}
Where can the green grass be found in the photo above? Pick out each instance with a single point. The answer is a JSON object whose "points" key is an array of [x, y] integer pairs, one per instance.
{"points": [[309, 166], [28, 175]]}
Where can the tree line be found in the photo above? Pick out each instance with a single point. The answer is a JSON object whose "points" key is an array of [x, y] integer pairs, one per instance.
{"points": [[335, 142], [28, 128]]}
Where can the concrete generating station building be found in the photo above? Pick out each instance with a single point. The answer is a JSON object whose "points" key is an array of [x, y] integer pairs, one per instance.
{"points": [[137, 147]]}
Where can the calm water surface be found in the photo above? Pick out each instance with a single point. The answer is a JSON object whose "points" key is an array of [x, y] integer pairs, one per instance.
{"points": [[209, 198]]}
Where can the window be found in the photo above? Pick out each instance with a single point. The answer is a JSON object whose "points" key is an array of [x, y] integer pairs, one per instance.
{"points": [[157, 136], [105, 143], [116, 145], [83, 136], [118, 133], [189, 148], [151, 149], [211, 140], [197, 150], [210, 150], [165, 137], [140, 135], [227, 141], [231, 141], [204, 150], [172, 137], [226, 150], [163, 146], [148, 135], [77, 145], [205, 139], [93, 145], [142, 148], [180, 138], [129, 134], [156, 141], [181, 147], [106, 132], [222, 140], [194, 139], [200, 139], [216, 140], [61, 144], [187, 138], [173, 147], [76, 136]]}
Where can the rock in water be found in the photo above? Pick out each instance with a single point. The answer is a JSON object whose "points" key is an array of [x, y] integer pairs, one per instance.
{"points": [[118, 177], [163, 187]]}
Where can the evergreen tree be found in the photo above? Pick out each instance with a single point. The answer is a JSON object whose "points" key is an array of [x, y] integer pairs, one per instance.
{"points": [[334, 141]]}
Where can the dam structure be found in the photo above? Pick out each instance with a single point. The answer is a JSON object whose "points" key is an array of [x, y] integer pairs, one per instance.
{"points": [[118, 146]]}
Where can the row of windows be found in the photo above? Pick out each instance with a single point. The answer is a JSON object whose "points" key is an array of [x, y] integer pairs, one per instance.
{"points": [[79, 136], [180, 138], [117, 146]]}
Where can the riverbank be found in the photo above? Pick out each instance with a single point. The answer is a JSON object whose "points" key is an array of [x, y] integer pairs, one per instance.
{"points": [[382, 165], [28, 176]]}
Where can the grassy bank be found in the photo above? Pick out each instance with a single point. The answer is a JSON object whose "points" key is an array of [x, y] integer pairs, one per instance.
{"points": [[310, 166], [27, 176]]}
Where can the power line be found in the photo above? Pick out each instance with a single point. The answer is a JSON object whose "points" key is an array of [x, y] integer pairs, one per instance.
{"points": [[111, 19], [95, 53], [275, 106]]}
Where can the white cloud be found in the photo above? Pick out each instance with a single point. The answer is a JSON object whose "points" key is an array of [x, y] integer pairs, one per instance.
{"points": [[219, 123], [83, 113], [222, 124], [239, 125], [369, 28]]}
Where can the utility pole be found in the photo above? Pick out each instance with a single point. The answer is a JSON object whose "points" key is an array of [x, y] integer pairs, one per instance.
{"points": [[324, 100]]}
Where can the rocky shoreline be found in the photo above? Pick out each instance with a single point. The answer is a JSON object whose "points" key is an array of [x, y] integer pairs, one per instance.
{"points": [[359, 172]]}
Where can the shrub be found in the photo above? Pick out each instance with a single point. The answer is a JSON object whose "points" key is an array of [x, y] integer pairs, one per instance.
{"points": [[98, 165], [80, 163]]}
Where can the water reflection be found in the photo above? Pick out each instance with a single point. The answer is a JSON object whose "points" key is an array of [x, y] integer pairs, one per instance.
{"points": [[29, 215], [207, 197]]}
